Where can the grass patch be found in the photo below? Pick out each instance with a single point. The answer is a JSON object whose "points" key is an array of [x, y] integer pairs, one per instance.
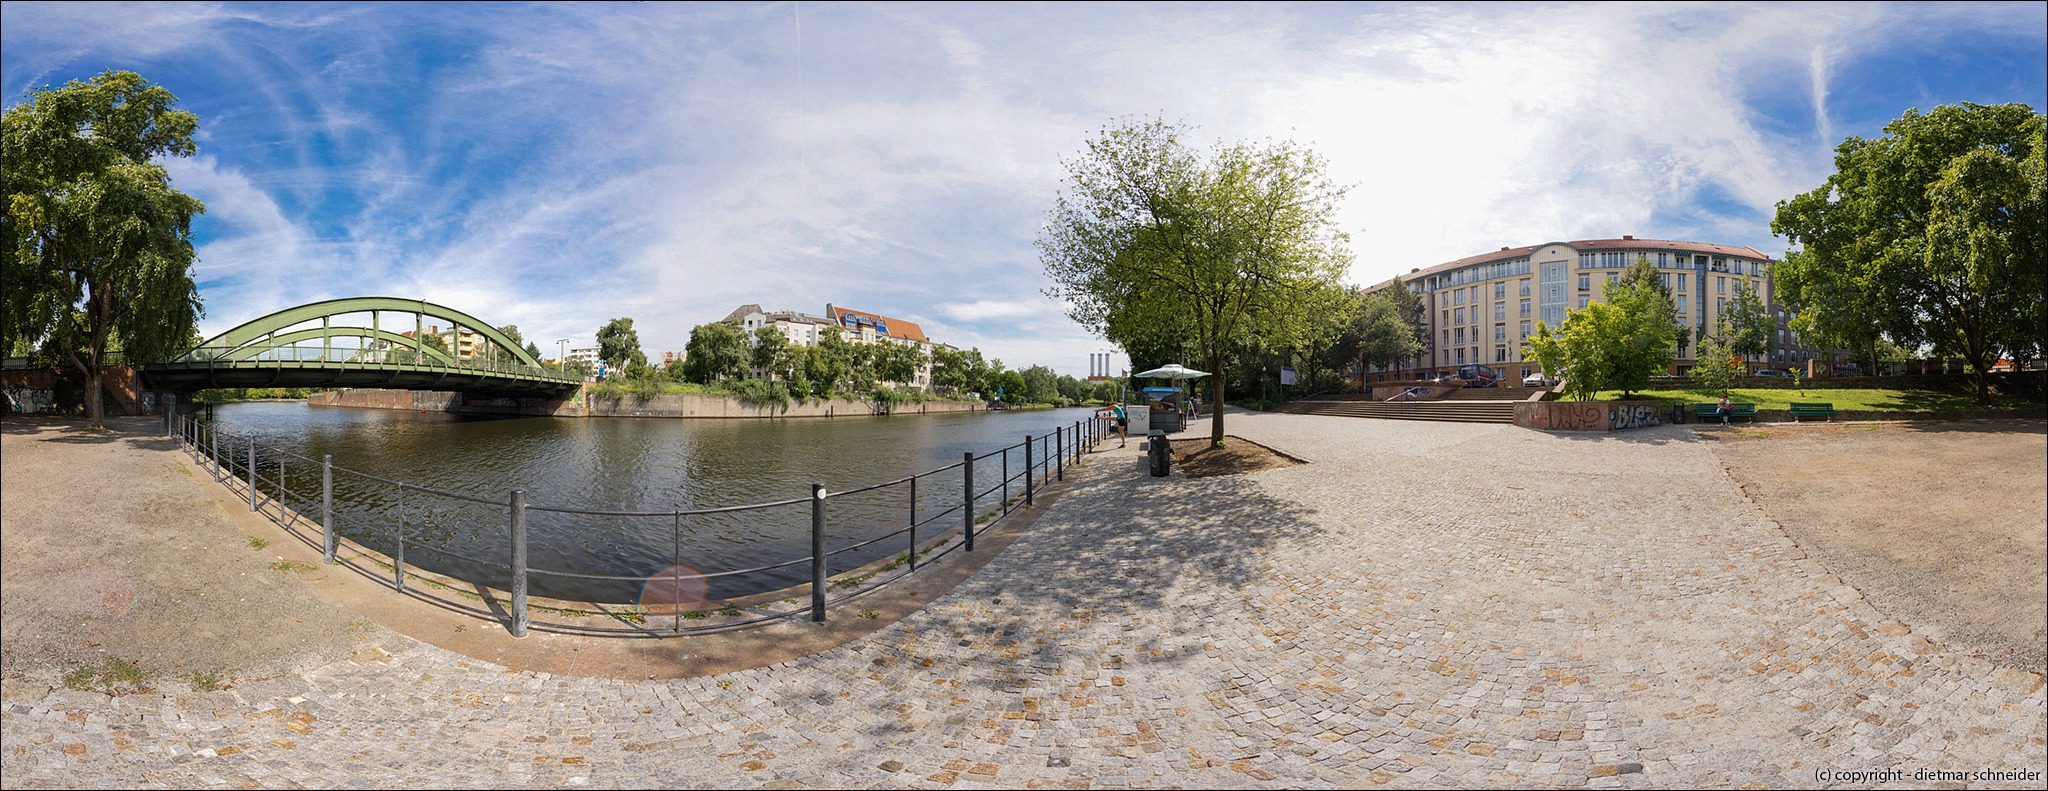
{"points": [[1843, 398], [869, 614], [213, 680], [257, 543], [730, 611], [111, 676], [293, 565]]}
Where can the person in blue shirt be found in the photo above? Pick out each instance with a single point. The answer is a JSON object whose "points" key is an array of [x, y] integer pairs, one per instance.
{"points": [[1123, 422]]}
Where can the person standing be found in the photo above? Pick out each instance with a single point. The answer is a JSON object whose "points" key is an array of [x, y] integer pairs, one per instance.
{"points": [[1123, 423]]}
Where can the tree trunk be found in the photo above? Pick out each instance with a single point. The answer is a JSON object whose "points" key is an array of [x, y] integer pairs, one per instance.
{"points": [[1216, 402], [95, 412]]}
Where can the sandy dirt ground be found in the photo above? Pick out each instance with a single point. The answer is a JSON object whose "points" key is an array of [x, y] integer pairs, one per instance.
{"points": [[1942, 526], [1196, 459], [109, 555]]}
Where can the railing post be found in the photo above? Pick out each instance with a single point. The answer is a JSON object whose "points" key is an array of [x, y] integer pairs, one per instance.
{"points": [[1059, 451], [329, 541], [252, 472], [818, 552], [913, 523], [213, 451], [1027, 471], [518, 563], [398, 559], [967, 506]]}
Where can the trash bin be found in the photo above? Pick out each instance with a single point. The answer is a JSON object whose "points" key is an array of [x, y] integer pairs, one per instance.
{"points": [[1159, 452]]}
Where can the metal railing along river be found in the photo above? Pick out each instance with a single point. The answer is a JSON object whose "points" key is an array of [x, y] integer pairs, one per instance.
{"points": [[956, 502]]}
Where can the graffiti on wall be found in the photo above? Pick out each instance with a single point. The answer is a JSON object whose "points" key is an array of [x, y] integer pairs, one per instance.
{"points": [[1585, 416], [1561, 416], [28, 400]]}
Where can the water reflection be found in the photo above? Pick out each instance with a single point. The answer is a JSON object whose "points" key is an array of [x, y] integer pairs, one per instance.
{"points": [[628, 465]]}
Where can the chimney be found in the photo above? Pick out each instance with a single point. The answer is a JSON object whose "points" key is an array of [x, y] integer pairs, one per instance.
{"points": [[1627, 238], [1415, 270], [1503, 249]]}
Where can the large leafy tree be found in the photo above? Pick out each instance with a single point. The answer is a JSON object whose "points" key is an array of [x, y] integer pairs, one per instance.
{"points": [[619, 344], [1746, 324], [99, 245], [1936, 233], [1041, 385], [1616, 344], [1381, 334], [716, 351], [770, 344], [1150, 238], [898, 362]]}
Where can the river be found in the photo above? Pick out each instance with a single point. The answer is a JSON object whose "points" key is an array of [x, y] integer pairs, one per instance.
{"points": [[628, 464]]}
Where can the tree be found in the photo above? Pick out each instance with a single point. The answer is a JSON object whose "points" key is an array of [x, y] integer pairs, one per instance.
{"points": [[897, 362], [1612, 345], [1410, 307], [769, 345], [830, 363], [99, 245], [1936, 232], [1009, 386], [1716, 366], [1148, 239], [1073, 390], [716, 351], [1041, 385], [619, 344], [1746, 325], [433, 342], [1380, 334]]}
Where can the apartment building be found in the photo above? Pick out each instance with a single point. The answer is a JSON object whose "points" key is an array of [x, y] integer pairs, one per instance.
{"points": [[804, 329], [1482, 307]]}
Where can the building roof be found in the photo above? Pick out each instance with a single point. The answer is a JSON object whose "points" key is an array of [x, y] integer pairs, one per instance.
{"points": [[740, 313], [1588, 245], [894, 328]]}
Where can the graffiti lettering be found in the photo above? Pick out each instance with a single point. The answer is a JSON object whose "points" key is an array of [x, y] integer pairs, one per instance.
{"points": [[1633, 416], [28, 400]]}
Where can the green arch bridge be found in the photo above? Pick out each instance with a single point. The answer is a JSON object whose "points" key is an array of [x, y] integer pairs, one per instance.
{"points": [[324, 344]]}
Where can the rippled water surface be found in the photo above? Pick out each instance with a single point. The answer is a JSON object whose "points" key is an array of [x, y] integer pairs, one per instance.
{"points": [[629, 464]]}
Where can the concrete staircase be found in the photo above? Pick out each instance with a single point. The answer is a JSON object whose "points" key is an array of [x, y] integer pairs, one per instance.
{"points": [[1488, 410]]}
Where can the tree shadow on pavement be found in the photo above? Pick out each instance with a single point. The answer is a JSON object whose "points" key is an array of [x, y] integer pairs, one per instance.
{"points": [[142, 432]]}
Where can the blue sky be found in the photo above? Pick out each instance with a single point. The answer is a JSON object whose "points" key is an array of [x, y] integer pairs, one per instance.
{"points": [[555, 166]]}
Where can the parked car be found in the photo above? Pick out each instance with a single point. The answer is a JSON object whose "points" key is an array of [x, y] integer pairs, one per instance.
{"points": [[1537, 379], [1772, 372], [1478, 375]]}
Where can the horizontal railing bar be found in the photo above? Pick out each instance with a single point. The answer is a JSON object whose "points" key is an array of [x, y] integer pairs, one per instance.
{"points": [[697, 512]]}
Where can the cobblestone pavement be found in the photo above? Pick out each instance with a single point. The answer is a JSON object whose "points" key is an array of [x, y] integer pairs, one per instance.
{"points": [[1423, 605]]}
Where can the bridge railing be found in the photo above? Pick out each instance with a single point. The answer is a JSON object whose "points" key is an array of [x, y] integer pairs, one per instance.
{"points": [[908, 524], [368, 358]]}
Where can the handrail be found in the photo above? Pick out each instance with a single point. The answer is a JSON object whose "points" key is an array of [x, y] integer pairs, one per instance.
{"points": [[237, 462]]}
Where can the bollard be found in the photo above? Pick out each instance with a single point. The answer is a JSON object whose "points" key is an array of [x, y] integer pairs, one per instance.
{"points": [[1027, 471], [818, 552], [967, 507], [252, 473], [328, 540], [518, 563]]}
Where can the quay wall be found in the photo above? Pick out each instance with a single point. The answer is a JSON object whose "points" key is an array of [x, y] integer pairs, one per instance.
{"points": [[583, 404]]}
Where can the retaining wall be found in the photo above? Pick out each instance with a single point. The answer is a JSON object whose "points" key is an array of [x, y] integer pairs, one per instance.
{"points": [[1589, 415]]}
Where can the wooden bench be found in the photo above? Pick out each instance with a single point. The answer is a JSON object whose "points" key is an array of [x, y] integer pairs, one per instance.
{"points": [[1812, 409], [1706, 412]]}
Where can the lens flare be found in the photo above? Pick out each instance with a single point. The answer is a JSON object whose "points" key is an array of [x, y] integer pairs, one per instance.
{"points": [[675, 589]]}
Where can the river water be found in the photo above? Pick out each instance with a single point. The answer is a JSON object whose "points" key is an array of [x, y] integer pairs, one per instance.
{"points": [[629, 465]]}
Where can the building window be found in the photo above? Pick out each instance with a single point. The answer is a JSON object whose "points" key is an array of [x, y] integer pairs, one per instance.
{"points": [[1582, 301], [1681, 282], [1500, 332], [1611, 277], [1447, 315], [1500, 291], [1500, 311], [1461, 357], [1447, 337], [1720, 285], [1460, 335], [1525, 329], [1460, 313], [1458, 297], [1525, 308], [1525, 287], [1500, 354], [1585, 282]]}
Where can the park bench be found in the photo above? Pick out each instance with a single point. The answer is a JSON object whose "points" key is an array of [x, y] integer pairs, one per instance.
{"points": [[1812, 409], [1705, 412]]}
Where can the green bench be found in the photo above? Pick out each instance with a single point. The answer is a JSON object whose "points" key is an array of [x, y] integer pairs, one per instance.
{"points": [[1812, 409], [1706, 412]]}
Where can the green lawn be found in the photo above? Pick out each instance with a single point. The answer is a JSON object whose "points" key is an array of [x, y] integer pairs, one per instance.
{"points": [[1843, 399]]}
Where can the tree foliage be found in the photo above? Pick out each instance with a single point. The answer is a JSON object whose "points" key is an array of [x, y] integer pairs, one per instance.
{"points": [[1716, 366], [1616, 344], [619, 344], [716, 351], [99, 245], [1151, 239], [1382, 333], [1746, 325], [1935, 233], [770, 345]]}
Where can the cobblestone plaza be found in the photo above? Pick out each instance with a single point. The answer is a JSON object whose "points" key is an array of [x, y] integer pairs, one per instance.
{"points": [[1633, 620]]}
